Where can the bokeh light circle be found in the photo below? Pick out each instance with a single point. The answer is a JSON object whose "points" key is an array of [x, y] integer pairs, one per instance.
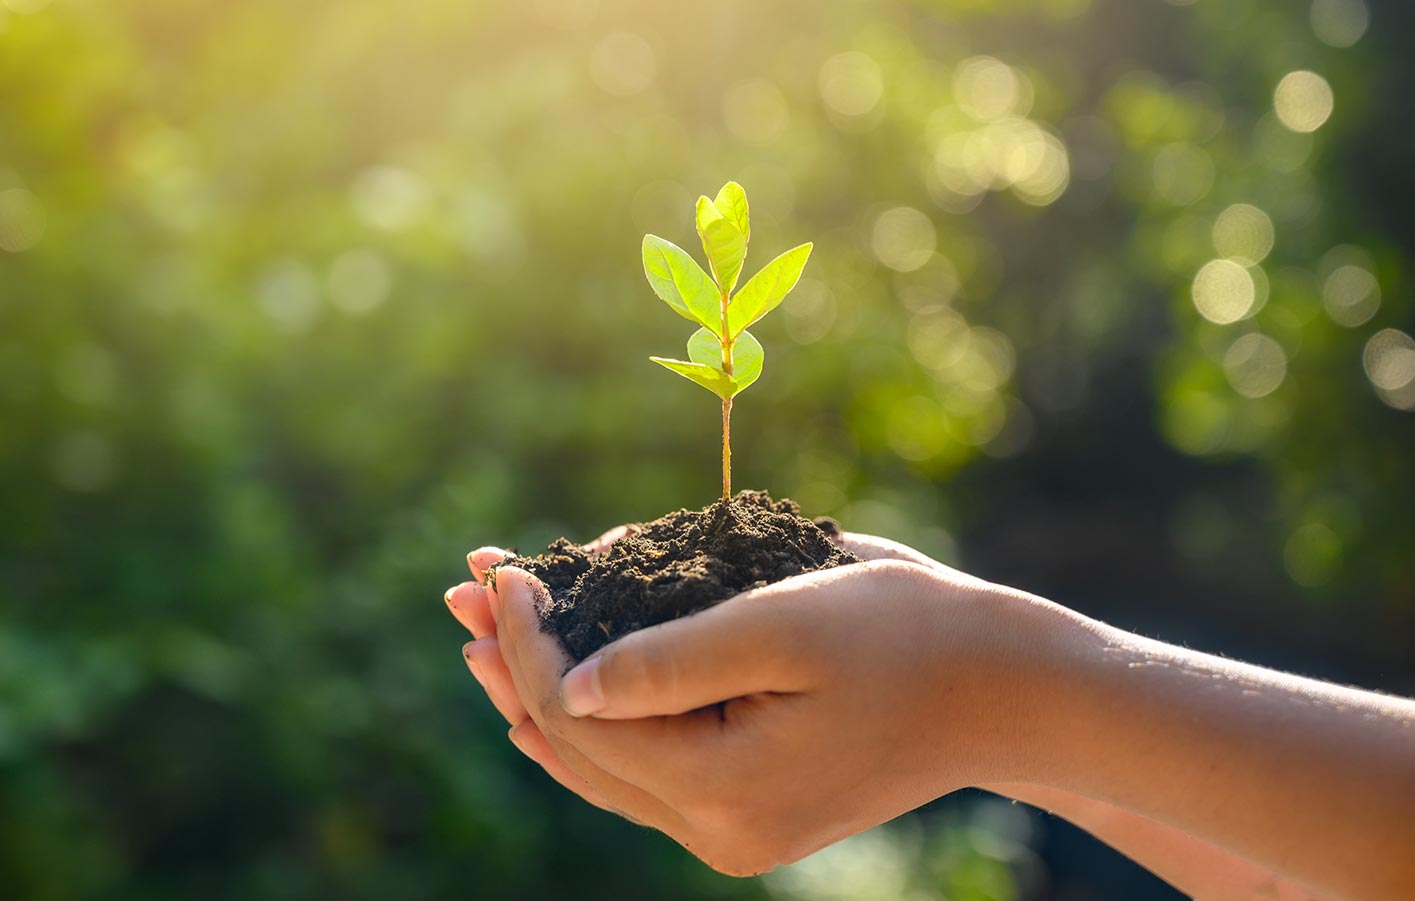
{"points": [[388, 198], [1182, 173], [756, 111], [1389, 359], [1255, 365], [851, 83], [1351, 295], [1223, 291], [1303, 101], [1243, 233], [1339, 23], [903, 239], [989, 89], [623, 64], [359, 281]]}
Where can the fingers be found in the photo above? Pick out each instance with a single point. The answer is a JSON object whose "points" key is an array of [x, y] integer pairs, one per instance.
{"points": [[527, 651], [529, 740], [468, 603], [872, 547], [486, 663], [483, 558], [537, 661], [603, 542], [752, 643]]}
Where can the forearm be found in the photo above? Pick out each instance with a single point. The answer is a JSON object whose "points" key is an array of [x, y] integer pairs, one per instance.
{"points": [[1307, 779], [1195, 867]]}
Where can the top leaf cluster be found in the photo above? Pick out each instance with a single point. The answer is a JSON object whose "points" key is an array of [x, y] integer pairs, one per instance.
{"points": [[722, 355]]}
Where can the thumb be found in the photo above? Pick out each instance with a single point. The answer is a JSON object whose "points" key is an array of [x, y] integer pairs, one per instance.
{"points": [[754, 642]]}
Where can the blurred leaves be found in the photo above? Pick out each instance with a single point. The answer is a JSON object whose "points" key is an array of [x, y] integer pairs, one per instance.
{"points": [[300, 302]]}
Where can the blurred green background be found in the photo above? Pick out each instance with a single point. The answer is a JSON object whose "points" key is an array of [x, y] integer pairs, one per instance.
{"points": [[299, 302]]}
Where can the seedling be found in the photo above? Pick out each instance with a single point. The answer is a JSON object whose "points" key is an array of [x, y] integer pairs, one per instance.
{"points": [[723, 356]]}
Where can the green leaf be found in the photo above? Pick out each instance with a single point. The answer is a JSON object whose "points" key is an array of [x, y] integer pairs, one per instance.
{"points": [[707, 213], [747, 358], [726, 249], [705, 347], [766, 289], [715, 380], [731, 202], [681, 282], [723, 243]]}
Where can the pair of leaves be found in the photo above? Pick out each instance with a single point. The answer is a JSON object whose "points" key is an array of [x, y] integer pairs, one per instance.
{"points": [[705, 352], [682, 284]]}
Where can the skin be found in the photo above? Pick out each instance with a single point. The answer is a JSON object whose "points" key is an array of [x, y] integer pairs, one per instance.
{"points": [[723, 729]]}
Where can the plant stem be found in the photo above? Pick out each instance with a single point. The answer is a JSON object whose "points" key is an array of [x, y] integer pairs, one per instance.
{"points": [[726, 403], [727, 448]]}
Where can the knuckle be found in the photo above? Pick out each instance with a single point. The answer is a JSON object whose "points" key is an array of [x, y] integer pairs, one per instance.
{"points": [[637, 668]]}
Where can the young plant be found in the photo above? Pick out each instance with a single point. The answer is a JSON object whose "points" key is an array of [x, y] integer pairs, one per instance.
{"points": [[723, 356]]}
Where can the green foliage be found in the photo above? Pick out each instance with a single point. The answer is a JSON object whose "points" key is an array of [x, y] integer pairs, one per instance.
{"points": [[299, 302], [725, 364]]}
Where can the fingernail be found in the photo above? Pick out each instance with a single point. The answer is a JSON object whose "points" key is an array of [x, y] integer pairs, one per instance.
{"points": [[472, 664], [514, 734], [447, 595], [580, 691]]}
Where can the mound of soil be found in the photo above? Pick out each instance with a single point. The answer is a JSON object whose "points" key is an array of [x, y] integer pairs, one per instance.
{"points": [[676, 565]]}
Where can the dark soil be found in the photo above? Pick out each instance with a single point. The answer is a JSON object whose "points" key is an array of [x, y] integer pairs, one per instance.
{"points": [[676, 565]]}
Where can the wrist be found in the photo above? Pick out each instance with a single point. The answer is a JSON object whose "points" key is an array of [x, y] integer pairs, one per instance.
{"points": [[1031, 661]]}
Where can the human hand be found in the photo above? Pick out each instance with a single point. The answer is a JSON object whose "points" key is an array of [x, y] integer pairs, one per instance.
{"points": [[469, 603], [844, 698]]}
